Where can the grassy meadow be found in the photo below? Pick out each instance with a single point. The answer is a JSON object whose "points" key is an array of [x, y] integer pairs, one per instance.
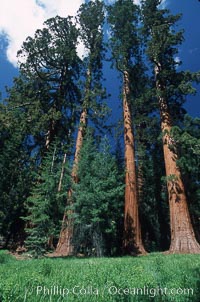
{"points": [[155, 277]]}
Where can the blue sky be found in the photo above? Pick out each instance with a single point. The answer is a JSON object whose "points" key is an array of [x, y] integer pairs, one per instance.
{"points": [[16, 24], [190, 50]]}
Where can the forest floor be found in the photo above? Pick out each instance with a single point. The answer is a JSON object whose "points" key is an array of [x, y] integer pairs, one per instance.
{"points": [[155, 277]]}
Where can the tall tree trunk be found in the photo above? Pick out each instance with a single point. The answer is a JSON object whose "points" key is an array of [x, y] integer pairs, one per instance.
{"points": [[65, 245], [140, 158], [132, 229], [79, 143], [182, 234]]}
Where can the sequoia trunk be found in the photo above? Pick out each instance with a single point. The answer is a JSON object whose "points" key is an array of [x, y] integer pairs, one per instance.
{"points": [[182, 234], [132, 229], [65, 245]]}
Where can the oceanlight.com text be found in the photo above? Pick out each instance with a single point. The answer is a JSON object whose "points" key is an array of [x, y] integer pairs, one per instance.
{"points": [[151, 292], [111, 290]]}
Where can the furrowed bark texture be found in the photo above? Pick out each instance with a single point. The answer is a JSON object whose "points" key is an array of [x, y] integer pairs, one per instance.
{"points": [[132, 229], [182, 234]]}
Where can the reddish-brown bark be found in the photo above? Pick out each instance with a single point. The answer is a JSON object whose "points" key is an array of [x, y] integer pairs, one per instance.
{"points": [[132, 229], [65, 246], [79, 142], [182, 234]]}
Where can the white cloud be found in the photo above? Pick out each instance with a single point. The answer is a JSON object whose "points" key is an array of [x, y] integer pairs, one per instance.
{"points": [[60, 7], [112, 1], [164, 3], [138, 2], [177, 60], [20, 18]]}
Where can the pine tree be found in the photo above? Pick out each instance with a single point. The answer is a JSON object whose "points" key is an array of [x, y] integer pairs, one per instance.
{"points": [[45, 204], [171, 87], [97, 199], [16, 170]]}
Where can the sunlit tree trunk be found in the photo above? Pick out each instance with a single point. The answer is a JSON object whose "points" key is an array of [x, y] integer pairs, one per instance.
{"points": [[65, 245], [132, 229], [90, 17], [79, 143], [182, 234]]}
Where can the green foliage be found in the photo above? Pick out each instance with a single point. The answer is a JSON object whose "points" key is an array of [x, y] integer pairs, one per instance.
{"points": [[20, 282], [154, 209], [90, 19], [172, 86], [51, 69], [5, 258], [162, 40], [40, 114], [15, 173], [127, 51], [45, 205], [123, 17], [52, 51], [40, 108], [97, 199]]}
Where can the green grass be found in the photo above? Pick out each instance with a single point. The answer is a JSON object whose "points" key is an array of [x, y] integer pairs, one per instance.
{"points": [[97, 279]]}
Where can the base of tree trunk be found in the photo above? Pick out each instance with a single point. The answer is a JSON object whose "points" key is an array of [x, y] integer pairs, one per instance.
{"points": [[132, 241], [65, 247], [134, 250], [184, 246]]}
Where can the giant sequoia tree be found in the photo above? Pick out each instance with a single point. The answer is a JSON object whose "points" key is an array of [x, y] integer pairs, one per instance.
{"points": [[50, 66], [90, 19], [171, 87], [123, 17], [188, 136], [50, 61]]}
